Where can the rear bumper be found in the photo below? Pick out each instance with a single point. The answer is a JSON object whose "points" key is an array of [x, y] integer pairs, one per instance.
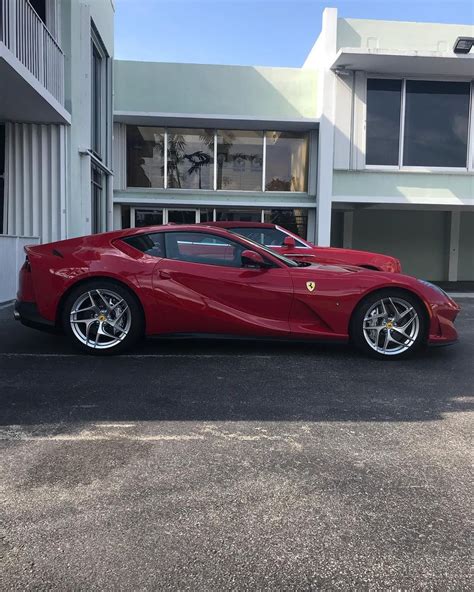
{"points": [[27, 313]]}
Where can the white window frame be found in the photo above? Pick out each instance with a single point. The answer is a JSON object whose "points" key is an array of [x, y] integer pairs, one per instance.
{"points": [[3, 176], [214, 184], [105, 94], [422, 169]]}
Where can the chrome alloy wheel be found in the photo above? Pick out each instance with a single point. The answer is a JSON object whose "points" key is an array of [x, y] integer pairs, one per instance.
{"points": [[391, 326], [100, 319]]}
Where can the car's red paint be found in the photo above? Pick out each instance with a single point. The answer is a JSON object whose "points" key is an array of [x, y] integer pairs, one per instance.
{"points": [[183, 297], [303, 250]]}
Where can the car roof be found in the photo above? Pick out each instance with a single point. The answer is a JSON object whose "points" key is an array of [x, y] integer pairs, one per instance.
{"points": [[229, 224], [169, 228]]}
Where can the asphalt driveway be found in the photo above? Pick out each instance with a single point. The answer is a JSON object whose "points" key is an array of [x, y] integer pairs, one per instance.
{"points": [[233, 466]]}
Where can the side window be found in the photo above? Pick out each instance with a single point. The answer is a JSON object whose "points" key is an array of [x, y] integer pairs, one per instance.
{"points": [[199, 247], [151, 244], [270, 237]]}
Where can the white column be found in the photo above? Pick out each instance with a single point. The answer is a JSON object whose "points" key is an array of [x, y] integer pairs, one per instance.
{"points": [[453, 261], [326, 128]]}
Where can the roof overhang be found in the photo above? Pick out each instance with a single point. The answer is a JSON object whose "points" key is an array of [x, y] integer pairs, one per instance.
{"points": [[214, 121], [23, 98], [404, 62]]}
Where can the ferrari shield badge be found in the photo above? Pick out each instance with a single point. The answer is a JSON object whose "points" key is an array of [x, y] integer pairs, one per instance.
{"points": [[311, 286]]}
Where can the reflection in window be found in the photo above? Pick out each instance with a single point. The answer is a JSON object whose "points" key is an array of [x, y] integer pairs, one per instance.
{"points": [[436, 123], [151, 244], [294, 220], [145, 156], [239, 160], [207, 214], [181, 216], [252, 215], [383, 121], [191, 159], [194, 247], [148, 217], [270, 237], [286, 158]]}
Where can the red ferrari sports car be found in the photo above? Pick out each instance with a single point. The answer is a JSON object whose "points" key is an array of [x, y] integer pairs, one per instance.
{"points": [[107, 290], [291, 245]]}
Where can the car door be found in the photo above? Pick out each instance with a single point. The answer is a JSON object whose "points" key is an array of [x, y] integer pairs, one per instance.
{"points": [[201, 287]]}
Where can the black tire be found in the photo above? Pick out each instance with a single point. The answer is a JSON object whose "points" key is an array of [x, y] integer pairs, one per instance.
{"points": [[367, 341], [129, 326]]}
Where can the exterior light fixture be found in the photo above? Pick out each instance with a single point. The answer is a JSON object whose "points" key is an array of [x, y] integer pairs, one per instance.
{"points": [[463, 44]]}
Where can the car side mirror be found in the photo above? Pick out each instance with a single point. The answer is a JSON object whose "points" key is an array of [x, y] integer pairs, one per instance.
{"points": [[289, 242], [252, 259]]}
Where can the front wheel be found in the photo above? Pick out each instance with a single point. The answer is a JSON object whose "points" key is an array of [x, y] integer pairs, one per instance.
{"points": [[389, 325], [102, 318]]}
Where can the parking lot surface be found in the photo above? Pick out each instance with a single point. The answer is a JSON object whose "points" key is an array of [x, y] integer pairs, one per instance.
{"points": [[195, 465]]}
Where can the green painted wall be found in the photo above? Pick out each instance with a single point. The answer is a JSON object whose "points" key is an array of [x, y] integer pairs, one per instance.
{"points": [[406, 36], [466, 247], [398, 184], [418, 238], [151, 87]]}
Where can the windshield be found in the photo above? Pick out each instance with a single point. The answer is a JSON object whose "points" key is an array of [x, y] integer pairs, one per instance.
{"points": [[285, 260]]}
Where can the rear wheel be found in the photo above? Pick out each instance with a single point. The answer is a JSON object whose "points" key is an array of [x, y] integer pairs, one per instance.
{"points": [[102, 318], [389, 325]]}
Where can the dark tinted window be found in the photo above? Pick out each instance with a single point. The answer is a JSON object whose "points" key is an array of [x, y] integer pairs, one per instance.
{"points": [[436, 123], [145, 156], [148, 217], [383, 121], [286, 161], [151, 244], [271, 237], [2, 149], [199, 247]]}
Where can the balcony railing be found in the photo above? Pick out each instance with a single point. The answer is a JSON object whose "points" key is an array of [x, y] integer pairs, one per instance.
{"points": [[27, 37]]}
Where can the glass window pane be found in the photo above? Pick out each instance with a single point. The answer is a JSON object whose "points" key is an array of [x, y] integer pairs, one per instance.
{"points": [[98, 214], [197, 247], [145, 156], [294, 220], [182, 216], [125, 216], [151, 244], [191, 158], [383, 121], [2, 206], [270, 237], [96, 97], [239, 160], [254, 215], [2, 150], [207, 214], [148, 217], [436, 123], [286, 161]]}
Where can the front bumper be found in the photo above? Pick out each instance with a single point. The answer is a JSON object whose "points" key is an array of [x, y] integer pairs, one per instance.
{"points": [[442, 330], [27, 313]]}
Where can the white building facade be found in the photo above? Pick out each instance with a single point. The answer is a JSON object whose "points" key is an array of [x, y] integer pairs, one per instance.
{"points": [[55, 124], [369, 145]]}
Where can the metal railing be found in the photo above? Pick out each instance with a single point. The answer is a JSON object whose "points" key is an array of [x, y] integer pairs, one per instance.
{"points": [[27, 37]]}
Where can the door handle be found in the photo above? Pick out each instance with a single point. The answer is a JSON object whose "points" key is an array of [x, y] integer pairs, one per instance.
{"points": [[165, 275]]}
